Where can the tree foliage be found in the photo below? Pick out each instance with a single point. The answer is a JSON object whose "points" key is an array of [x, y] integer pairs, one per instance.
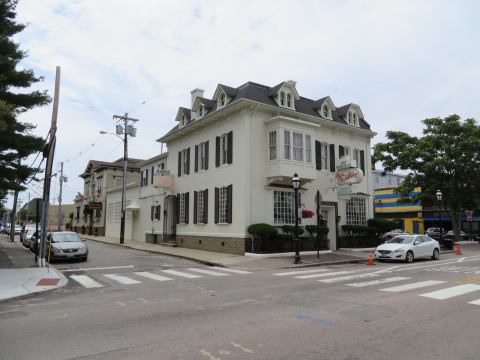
{"points": [[445, 158], [16, 140]]}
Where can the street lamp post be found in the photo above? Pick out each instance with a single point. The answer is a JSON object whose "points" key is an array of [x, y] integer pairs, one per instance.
{"points": [[296, 183], [439, 198]]}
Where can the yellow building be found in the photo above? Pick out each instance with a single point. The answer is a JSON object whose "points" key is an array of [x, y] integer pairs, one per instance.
{"points": [[407, 215]]}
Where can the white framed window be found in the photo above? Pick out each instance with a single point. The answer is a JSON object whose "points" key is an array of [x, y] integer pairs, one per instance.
{"points": [[185, 161], [324, 157], [286, 145], [182, 120], [325, 111], [282, 98], [349, 118], [355, 119], [222, 205], [308, 148], [203, 156], [272, 141], [223, 99], [182, 212], [356, 211], [223, 148], [356, 157], [87, 188], [200, 207], [297, 146], [201, 110], [284, 207], [346, 150], [289, 100]]}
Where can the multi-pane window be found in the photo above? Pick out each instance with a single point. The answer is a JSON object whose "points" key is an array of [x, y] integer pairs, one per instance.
{"points": [[200, 207], [182, 120], [99, 185], [356, 211], [308, 148], [297, 146], [356, 157], [201, 110], [203, 156], [324, 157], [222, 205], [87, 188], [155, 212], [325, 111], [182, 212], [282, 98], [286, 145], [272, 140], [223, 148], [289, 100], [284, 207], [185, 159], [222, 99]]}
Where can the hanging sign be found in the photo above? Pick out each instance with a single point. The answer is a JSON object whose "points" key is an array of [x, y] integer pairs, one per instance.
{"points": [[349, 176]]}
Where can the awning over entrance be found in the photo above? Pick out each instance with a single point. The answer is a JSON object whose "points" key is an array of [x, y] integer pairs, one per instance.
{"points": [[132, 207]]}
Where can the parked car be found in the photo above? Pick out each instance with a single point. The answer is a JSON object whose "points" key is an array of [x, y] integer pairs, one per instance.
{"points": [[66, 245], [434, 232], [451, 235], [18, 229], [408, 248], [26, 235], [392, 233]]}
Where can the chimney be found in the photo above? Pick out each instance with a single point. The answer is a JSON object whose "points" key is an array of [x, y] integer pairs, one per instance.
{"points": [[196, 93], [292, 82]]}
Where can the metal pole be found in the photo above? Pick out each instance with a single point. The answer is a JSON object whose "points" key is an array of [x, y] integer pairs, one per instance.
{"points": [[440, 218], [296, 240], [125, 160], [318, 199], [60, 199]]}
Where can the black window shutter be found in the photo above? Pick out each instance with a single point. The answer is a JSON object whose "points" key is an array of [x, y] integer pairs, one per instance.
{"points": [[217, 151], [152, 176], [205, 206], [206, 155], [216, 205], [152, 210], [318, 155], [195, 204], [341, 151], [332, 157], [196, 158], [158, 211], [230, 148], [146, 177], [178, 209], [186, 208], [362, 161], [179, 163], [188, 161], [229, 203], [141, 178]]}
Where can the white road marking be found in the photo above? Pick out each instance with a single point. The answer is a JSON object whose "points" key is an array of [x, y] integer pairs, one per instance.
{"points": [[152, 276], [452, 291], [122, 279], [235, 271], [380, 281], [182, 274], [99, 268], [208, 272], [439, 263], [343, 278], [461, 259], [413, 286], [86, 281], [323, 275], [475, 302], [300, 272]]}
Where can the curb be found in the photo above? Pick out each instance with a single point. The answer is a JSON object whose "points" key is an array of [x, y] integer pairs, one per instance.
{"points": [[338, 262]]}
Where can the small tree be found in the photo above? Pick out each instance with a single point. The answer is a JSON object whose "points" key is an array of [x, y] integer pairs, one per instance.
{"points": [[263, 231]]}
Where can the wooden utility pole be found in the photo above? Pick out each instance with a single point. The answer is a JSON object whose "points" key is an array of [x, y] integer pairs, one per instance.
{"points": [[48, 171], [14, 211], [60, 222]]}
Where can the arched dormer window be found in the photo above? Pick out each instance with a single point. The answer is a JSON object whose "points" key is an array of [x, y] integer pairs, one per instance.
{"points": [[282, 98], [325, 111], [223, 99], [349, 118], [355, 119], [201, 110], [289, 100]]}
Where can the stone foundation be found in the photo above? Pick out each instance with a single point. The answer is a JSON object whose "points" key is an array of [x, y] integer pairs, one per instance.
{"points": [[153, 238], [227, 245]]}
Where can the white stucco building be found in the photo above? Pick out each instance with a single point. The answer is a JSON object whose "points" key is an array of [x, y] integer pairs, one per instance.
{"points": [[232, 158]]}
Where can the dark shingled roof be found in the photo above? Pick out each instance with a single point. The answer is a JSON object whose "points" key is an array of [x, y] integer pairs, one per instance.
{"points": [[187, 113], [263, 94], [96, 164]]}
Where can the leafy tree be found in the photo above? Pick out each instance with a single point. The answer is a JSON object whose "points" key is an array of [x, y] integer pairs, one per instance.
{"points": [[16, 140], [445, 158]]}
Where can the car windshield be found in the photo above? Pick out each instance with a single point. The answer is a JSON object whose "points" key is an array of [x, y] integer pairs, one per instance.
{"points": [[66, 238], [401, 240]]}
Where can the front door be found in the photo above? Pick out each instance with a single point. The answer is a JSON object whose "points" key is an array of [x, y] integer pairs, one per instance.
{"points": [[169, 218]]}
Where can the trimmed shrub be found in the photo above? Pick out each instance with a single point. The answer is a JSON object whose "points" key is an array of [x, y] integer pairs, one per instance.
{"points": [[262, 230], [354, 230], [290, 230]]}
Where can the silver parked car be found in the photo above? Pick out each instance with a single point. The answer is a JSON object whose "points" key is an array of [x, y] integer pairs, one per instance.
{"points": [[66, 245]]}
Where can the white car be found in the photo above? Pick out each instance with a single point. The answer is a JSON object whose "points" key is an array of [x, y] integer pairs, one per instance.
{"points": [[408, 248]]}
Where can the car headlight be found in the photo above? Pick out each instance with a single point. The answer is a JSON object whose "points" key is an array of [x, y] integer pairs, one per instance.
{"points": [[83, 248], [56, 250], [399, 250]]}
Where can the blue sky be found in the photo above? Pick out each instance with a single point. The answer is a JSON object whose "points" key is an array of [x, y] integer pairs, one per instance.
{"points": [[401, 61]]}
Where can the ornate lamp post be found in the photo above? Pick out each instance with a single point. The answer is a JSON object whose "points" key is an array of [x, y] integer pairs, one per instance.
{"points": [[439, 198], [296, 184]]}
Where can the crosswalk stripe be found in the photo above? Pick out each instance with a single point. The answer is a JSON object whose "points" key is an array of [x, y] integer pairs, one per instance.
{"points": [[208, 272], [452, 291], [344, 278], [380, 281], [182, 274], [413, 286], [299, 272], [86, 281], [152, 276], [475, 302], [122, 279], [235, 271], [323, 274]]}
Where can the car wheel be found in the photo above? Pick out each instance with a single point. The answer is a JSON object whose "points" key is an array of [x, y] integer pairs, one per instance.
{"points": [[409, 257], [436, 254]]}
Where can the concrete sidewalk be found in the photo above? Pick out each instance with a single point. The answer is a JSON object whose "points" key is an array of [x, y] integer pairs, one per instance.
{"points": [[19, 277], [228, 260]]}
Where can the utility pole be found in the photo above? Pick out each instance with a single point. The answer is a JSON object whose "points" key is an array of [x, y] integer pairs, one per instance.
{"points": [[60, 199], [14, 210], [125, 130], [28, 209], [50, 150]]}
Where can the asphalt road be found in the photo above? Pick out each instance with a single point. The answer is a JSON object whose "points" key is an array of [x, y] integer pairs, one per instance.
{"points": [[141, 306]]}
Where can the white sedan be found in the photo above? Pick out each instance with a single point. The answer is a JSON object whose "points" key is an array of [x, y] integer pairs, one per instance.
{"points": [[408, 248]]}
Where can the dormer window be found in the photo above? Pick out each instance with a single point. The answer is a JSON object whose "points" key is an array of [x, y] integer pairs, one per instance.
{"points": [[223, 100], [355, 119], [201, 110], [289, 100], [182, 120], [325, 111], [282, 98]]}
